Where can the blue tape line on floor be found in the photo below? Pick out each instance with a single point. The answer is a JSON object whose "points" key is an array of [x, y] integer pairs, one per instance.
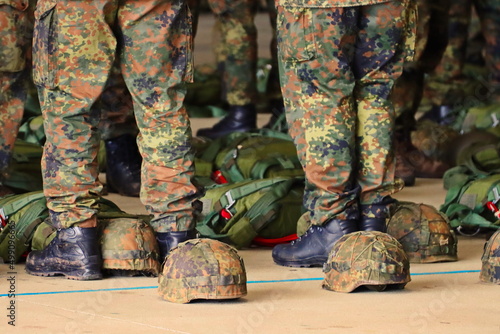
{"points": [[248, 282]]}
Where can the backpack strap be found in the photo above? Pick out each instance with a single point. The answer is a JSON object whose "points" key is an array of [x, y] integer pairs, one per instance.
{"points": [[32, 217]]}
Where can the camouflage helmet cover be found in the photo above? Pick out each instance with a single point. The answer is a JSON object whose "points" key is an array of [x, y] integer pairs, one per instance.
{"points": [[202, 269], [424, 232], [490, 269], [129, 247], [368, 258]]}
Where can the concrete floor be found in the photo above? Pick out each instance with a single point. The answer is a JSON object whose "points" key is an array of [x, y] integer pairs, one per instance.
{"points": [[441, 298]]}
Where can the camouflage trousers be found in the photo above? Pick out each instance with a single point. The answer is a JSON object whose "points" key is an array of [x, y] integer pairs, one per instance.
{"points": [[445, 84], [75, 45], [337, 68], [236, 48], [16, 29], [431, 40]]}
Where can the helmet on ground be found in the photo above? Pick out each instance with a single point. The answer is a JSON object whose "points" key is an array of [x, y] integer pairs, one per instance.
{"points": [[424, 232], [129, 247], [490, 270], [202, 269], [369, 258]]}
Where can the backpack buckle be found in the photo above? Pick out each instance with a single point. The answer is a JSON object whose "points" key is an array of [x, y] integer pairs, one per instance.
{"points": [[230, 200]]}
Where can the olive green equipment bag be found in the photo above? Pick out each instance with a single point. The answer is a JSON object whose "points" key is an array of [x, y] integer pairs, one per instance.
{"points": [[128, 242], [263, 212], [472, 205], [25, 170], [242, 156], [483, 117], [20, 215]]}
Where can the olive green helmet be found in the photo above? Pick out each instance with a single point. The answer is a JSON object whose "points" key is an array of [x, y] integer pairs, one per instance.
{"points": [[490, 270], [424, 232], [369, 258], [202, 269]]}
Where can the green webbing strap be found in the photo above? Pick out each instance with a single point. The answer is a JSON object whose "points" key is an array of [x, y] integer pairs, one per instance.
{"points": [[230, 166], [32, 217], [258, 214], [15, 203], [125, 254], [233, 195], [210, 153], [260, 167], [484, 159]]}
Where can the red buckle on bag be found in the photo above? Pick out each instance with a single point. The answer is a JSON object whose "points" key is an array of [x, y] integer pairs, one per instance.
{"points": [[493, 208], [226, 214], [218, 178]]}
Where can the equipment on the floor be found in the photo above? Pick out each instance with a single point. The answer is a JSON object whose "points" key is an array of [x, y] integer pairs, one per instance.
{"points": [[25, 171], [128, 243], [490, 269], [128, 247], [248, 155], [366, 258], [266, 209], [202, 269], [20, 215], [424, 232], [473, 205]]}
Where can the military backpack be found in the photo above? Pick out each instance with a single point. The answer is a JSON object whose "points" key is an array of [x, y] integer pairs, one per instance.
{"points": [[263, 212], [242, 156]]}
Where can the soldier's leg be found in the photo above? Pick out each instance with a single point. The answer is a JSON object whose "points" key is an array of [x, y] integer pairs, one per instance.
{"points": [[15, 40], [317, 86], [164, 44], [239, 47], [381, 52], [444, 85], [489, 16], [119, 132], [68, 88], [273, 89]]}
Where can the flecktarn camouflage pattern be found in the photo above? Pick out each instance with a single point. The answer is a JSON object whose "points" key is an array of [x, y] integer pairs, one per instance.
{"points": [[129, 247], [370, 258], [424, 232], [490, 270], [202, 269]]}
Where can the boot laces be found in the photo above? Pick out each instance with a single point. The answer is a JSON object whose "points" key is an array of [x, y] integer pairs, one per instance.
{"points": [[310, 231]]}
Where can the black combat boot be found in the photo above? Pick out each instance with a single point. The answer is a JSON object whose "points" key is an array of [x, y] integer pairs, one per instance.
{"points": [[312, 248], [123, 165], [169, 240], [374, 216], [239, 119], [74, 252], [442, 114]]}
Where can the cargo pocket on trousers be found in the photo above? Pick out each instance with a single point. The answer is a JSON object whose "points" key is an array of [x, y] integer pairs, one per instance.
{"points": [[45, 46], [296, 41], [12, 36]]}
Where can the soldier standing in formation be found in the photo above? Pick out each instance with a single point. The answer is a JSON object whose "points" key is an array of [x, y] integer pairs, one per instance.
{"points": [[339, 60], [153, 41], [445, 86], [16, 30]]}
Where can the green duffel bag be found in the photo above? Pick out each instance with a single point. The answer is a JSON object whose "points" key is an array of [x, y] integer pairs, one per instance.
{"points": [[261, 211], [20, 216], [473, 205]]}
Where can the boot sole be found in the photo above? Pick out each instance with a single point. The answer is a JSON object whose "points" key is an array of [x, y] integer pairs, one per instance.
{"points": [[302, 264], [72, 275]]}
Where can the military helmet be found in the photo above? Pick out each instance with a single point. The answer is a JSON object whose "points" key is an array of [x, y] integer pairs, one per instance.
{"points": [[128, 247], [490, 270], [202, 269], [424, 232], [370, 258]]}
